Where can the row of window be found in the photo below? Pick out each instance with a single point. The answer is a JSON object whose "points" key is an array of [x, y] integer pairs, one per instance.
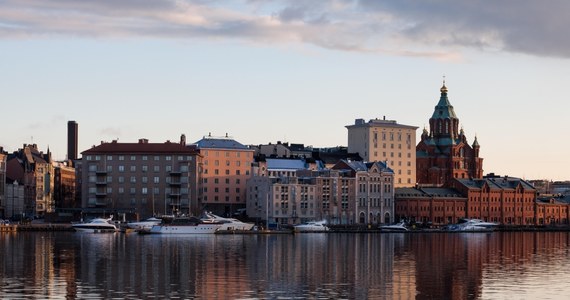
{"points": [[216, 198], [217, 163], [133, 179], [139, 157], [144, 169], [143, 191], [217, 172]]}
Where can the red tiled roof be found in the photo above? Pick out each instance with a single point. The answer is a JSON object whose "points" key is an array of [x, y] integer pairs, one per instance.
{"points": [[144, 147]]}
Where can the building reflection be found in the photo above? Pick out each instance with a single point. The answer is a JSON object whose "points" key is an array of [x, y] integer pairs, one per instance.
{"points": [[361, 266]]}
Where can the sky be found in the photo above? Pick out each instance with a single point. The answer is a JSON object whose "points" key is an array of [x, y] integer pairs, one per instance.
{"points": [[290, 71]]}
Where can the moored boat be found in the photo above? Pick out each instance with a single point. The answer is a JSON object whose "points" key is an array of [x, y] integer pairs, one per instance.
{"points": [[96, 225], [228, 224], [185, 225], [313, 226], [399, 227], [472, 225], [144, 224]]}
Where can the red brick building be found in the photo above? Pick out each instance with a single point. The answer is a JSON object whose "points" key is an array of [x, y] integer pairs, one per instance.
{"points": [[505, 200], [443, 153]]}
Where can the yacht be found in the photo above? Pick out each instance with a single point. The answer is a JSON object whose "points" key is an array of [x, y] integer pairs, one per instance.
{"points": [[185, 225], [314, 226], [96, 225], [144, 224], [472, 225], [227, 223], [399, 227]]}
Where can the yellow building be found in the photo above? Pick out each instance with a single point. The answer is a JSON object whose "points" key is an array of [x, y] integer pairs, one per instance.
{"points": [[386, 140]]}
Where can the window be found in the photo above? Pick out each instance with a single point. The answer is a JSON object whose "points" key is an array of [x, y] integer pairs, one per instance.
{"points": [[109, 168], [238, 172], [156, 179], [121, 179], [109, 157], [133, 179], [145, 169], [156, 168], [156, 158], [133, 157], [145, 157], [121, 157], [144, 191], [227, 172], [133, 168], [121, 168], [145, 179], [168, 158]]}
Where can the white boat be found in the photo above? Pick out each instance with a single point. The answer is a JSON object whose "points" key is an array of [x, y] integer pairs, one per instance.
{"points": [[311, 227], [227, 223], [399, 227], [472, 225], [144, 224], [185, 225], [96, 225]]}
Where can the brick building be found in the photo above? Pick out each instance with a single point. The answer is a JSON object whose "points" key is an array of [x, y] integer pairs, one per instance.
{"points": [[443, 153]]}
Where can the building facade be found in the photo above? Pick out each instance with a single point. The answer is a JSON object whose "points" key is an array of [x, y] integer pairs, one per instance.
{"points": [[142, 178], [33, 170], [65, 186], [3, 157], [348, 193], [443, 153], [387, 141], [224, 168], [429, 205]]}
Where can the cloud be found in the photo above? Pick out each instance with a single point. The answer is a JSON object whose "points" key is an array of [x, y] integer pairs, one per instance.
{"points": [[438, 29], [112, 132]]}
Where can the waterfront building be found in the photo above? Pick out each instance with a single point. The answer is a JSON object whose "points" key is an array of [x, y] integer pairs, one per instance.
{"points": [[429, 205], [33, 170], [293, 192], [3, 157], [64, 185], [443, 153], [142, 178], [388, 141], [373, 191], [553, 210], [506, 200], [225, 167], [14, 201]]}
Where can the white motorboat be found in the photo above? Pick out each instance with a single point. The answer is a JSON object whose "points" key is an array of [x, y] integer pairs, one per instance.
{"points": [[472, 225], [399, 227], [185, 225], [313, 226], [96, 225], [144, 224], [227, 223]]}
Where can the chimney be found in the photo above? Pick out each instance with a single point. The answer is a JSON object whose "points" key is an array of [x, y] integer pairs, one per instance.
{"points": [[183, 140], [72, 140]]}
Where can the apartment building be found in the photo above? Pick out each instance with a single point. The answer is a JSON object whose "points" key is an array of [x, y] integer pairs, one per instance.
{"points": [[386, 141], [141, 178], [225, 167], [349, 193]]}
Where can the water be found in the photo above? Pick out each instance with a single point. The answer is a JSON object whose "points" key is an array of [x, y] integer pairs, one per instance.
{"points": [[67, 265]]}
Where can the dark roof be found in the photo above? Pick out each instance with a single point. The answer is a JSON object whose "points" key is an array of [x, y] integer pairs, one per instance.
{"points": [[427, 192], [504, 183], [140, 147], [220, 143]]}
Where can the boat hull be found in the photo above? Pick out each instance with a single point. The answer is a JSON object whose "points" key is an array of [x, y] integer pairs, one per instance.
{"points": [[185, 229]]}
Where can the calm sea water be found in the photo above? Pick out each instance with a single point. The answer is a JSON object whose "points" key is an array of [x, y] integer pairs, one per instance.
{"points": [[68, 265]]}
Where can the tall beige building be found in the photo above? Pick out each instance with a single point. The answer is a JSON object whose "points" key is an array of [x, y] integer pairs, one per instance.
{"points": [[386, 140]]}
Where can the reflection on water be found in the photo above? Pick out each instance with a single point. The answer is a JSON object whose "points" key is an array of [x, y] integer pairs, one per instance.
{"points": [[330, 266]]}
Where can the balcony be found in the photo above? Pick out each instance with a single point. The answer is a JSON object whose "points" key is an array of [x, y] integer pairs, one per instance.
{"points": [[100, 194], [101, 172], [175, 183], [175, 173], [101, 183]]}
